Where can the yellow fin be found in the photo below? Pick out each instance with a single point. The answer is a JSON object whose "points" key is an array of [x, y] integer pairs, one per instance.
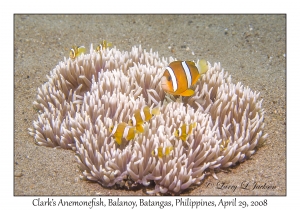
{"points": [[194, 124], [81, 49], [155, 111], [188, 92], [176, 133], [202, 66], [168, 150], [140, 128], [183, 137], [118, 140]]}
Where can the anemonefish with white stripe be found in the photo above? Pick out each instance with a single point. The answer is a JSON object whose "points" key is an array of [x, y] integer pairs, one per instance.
{"points": [[179, 76], [122, 130], [185, 130], [75, 51], [162, 151], [142, 115], [103, 45]]}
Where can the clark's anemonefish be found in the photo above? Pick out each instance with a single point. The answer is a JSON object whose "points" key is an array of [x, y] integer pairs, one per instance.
{"points": [[162, 151], [103, 45], [75, 51], [185, 130], [142, 115], [122, 130], [179, 76]]}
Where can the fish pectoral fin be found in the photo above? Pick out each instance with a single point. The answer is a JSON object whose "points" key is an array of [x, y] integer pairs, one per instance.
{"points": [[196, 79], [188, 92], [118, 140]]}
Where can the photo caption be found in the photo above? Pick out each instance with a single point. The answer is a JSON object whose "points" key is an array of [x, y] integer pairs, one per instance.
{"points": [[192, 203]]}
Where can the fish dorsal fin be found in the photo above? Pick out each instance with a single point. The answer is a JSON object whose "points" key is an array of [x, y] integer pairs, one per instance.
{"points": [[188, 92]]}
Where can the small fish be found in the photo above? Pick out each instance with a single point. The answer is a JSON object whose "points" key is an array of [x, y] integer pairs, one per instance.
{"points": [[179, 76], [185, 130], [122, 130], [142, 115], [103, 45], [162, 151], [75, 51], [224, 144]]}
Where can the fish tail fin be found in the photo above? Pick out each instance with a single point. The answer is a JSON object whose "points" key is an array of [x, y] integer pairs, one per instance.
{"points": [[155, 111], [194, 124], [176, 133], [202, 66], [81, 49], [109, 44]]}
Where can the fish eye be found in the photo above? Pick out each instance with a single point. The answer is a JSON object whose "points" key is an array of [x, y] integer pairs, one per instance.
{"points": [[169, 78], [111, 128]]}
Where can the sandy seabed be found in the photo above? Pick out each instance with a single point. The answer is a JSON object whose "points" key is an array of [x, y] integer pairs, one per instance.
{"points": [[252, 48]]}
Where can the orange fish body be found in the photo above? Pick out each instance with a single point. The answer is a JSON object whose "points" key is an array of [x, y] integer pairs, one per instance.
{"points": [[179, 76], [122, 130]]}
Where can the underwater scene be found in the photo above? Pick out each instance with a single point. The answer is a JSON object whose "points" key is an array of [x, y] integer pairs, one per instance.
{"points": [[150, 105]]}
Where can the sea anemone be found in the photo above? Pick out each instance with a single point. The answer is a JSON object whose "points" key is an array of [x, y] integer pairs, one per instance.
{"points": [[86, 95]]}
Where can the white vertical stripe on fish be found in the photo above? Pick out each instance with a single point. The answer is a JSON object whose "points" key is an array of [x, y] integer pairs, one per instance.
{"points": [[114, 129], [179, 132], [155, 151], [173, 78], [187, 73], [143, 114], [133, 121], [187, 129], [125, 133], [198, 67]]}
